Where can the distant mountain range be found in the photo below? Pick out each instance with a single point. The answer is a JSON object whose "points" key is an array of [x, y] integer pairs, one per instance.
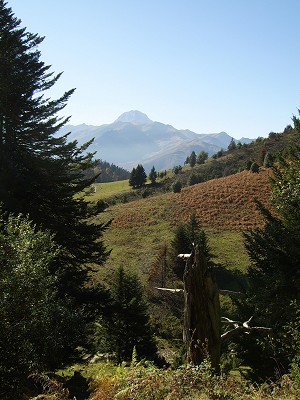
{"points": [[134, 139]]}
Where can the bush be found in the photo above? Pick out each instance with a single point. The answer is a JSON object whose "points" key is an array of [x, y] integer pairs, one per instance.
{"points": [[254, 167], [176, 187], [194, 179]]}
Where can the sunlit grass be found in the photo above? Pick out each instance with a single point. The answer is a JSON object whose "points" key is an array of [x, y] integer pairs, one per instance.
{"points": [[109, 189], [228, 249], [224, 208]]}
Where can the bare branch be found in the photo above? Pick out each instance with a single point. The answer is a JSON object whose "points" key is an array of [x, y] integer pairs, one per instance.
{"points": [[227, 335], [238, 327], [230, 321], [170, 290], [184, 256]]}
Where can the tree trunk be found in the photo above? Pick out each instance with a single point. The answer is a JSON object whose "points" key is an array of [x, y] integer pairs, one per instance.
{"points": [[202, 327]]}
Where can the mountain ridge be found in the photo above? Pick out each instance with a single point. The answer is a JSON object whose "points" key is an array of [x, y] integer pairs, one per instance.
{"points": [[133, 139]]}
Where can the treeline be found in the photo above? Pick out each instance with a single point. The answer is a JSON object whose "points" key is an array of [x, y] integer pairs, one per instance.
{"points": [[107, 172], [263, 152]]}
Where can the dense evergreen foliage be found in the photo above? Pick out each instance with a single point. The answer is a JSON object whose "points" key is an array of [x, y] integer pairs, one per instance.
{"points": [[39, 328], [186, 237], [40, 172], [107, 172], [138, 177], [127, 325], [43, 290], [192, 159], [153, 175], [275, 253]]}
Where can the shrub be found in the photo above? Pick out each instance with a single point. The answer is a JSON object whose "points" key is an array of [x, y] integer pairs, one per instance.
{"points": [[254, 167], [176, 187]]}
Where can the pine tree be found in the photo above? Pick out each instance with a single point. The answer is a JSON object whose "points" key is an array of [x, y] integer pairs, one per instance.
{"points": [[127, 327], [40, 171], [268, 160], [187, 236], [193, 159], [202, 157], [138, 177], [232, 145], [153, 175], [274, 251]]}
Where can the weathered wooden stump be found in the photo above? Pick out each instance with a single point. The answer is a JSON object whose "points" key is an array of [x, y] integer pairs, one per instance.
{"points": [[202, 326]]}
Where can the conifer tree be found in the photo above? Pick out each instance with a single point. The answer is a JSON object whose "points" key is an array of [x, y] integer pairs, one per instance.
{"points": [[40, 171], [187, 236], [193, 159], [138, 177], [232, 145], [274, 273], [127, 327], [153, 175], [202, 157]]}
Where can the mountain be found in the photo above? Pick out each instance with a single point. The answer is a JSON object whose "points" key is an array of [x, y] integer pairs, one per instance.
{"points": [[134, 117], [134, 139]]}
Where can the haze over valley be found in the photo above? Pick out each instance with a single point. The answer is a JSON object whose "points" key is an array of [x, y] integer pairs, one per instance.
{"points": [[134, 139]]}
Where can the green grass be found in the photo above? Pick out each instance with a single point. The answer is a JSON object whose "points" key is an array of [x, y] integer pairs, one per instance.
{"points": [[143, 226], [136, 243], [229, 250], [109, 189], [136, 248]]}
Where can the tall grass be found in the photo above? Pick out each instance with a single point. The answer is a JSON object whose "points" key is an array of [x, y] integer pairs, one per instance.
{"points": [[146, 382]]}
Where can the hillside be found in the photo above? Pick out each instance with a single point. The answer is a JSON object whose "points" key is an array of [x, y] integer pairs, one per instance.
{"points": [[225, 207], [223, 203], [232, 161], [227, 203]]}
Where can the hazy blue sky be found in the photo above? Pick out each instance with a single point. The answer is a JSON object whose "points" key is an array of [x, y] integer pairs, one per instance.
{"points": [[204, 65]]}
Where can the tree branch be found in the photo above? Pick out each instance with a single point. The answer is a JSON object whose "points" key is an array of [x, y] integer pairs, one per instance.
{"points": [[241, 326], [170, 290]]}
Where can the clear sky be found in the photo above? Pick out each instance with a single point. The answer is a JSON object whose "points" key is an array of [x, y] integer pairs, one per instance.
{"points": [[203, 65]]}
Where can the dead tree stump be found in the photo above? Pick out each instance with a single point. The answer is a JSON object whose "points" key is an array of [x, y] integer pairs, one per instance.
{"points": [[202, 326]]}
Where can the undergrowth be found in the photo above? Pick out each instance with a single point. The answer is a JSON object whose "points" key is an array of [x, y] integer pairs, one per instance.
{"points": [[146, 382]]}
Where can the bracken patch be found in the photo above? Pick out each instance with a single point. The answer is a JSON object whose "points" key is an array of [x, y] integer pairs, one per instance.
{"points": [[223, 203]]}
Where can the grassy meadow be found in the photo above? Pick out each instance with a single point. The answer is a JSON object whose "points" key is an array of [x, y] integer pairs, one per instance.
{"points": [[103, 191], [224, 207]]}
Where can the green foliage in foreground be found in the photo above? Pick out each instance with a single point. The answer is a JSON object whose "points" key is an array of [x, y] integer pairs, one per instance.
{"points": [[274, 251], [143, 381], [186, 383], [127, 324], [38, 328], [40, 171]]}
